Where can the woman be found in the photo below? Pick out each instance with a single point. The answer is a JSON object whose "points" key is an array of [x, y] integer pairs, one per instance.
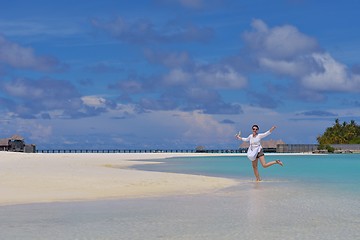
{"points": [[255, 151]]}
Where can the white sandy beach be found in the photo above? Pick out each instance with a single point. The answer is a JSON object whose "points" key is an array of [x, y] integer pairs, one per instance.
{"points": [[49, 177], [157, 205]]}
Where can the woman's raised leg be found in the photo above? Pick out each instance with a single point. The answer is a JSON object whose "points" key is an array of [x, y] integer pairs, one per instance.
{"points": [[265, 165]]}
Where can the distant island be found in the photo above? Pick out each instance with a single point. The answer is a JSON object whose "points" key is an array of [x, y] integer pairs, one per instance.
{"points": [[339, 134]]}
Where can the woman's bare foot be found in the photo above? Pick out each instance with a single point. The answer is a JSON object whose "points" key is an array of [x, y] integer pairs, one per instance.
{"points": [[279, 162]]}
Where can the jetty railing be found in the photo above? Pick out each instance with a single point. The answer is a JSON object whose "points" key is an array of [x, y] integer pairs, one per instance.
{"points": [[139, 151]]}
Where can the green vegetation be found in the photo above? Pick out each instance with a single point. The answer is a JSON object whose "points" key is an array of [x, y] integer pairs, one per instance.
{"points": [[346, 133], [329, 148]]}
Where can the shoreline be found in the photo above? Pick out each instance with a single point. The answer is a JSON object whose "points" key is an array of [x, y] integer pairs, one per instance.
{"points": [[65, 177]]}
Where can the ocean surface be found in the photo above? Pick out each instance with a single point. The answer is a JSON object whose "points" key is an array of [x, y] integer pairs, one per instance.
{"points": [[311, 197], [334, 171]]}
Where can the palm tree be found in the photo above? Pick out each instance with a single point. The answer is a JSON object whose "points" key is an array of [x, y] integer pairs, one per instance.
{"points": [[340, 133]]}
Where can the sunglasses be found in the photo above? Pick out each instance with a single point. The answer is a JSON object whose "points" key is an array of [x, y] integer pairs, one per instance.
{"points": [[255, 129]]}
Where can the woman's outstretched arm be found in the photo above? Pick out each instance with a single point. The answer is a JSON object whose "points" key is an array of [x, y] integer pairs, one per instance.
{"points": [[272, 128]]}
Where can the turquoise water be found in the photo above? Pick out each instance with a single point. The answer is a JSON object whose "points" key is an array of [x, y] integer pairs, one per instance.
{"points": [[338, 171], [310, 198]]}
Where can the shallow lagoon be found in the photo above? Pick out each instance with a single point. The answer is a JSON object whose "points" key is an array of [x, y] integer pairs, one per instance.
{"points": [[311, 197], [330, 171]]}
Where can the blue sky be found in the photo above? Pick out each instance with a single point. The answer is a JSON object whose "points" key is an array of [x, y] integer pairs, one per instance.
{"points": [[176, 74]]}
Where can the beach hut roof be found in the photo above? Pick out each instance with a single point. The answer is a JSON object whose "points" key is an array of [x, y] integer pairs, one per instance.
{"points": [[4, 141], [17, 137]]}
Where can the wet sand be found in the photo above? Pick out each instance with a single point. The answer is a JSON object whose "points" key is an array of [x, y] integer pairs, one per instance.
{"points": [[48, 177]]}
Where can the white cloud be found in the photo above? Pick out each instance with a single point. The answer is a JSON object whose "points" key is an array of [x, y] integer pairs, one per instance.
{"points": [[122, 111], [94, 101], [334, 77], [291, 68], [33, 131], [176, 77], [210, 76], [18, 90], [14, 55], [204, 128], [221, 77], [284, 50], [282, 42]]}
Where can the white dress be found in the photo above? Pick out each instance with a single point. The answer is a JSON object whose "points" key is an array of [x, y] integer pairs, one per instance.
{"points": [[255, 145]]}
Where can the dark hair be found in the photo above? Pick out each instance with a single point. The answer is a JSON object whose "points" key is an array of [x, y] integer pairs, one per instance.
{"points": [[255, 126]]}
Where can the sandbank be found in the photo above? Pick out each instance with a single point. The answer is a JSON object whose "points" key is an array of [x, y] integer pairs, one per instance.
{"points": [[53, 177]]}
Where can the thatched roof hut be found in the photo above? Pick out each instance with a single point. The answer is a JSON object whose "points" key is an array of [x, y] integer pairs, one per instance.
{"points": [[4, 142], [15, 143], [16, 137]]}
